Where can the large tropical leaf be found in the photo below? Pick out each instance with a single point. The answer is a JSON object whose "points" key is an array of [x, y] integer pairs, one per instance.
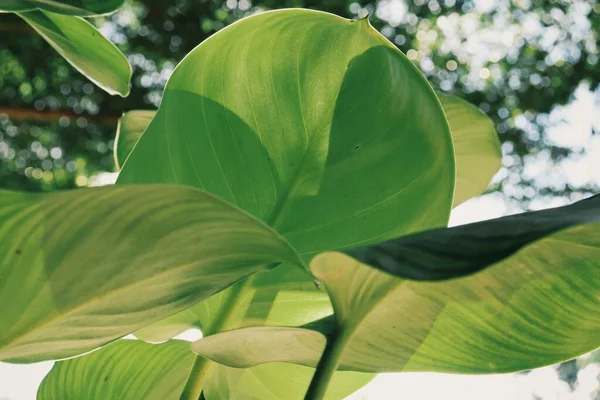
{"points": [[79, 269], [131, 126], [82, 8], [476, 146], [537, 303], [263, 115], [84, 47], [126, 369], [281, 301]]}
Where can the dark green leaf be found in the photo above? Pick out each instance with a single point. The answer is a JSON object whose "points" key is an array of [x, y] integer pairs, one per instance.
{"points": [[454, 252]]}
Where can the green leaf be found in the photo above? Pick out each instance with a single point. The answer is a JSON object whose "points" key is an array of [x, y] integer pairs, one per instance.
{"points": [[82, 8], [82, 268], [131, 126], [454, 252], [476, 147], [536, 304], [476, 144], [276, 381], [262, 114], [133, 370], [282, 296], [15, 6], [84, 47], [126, 369]]}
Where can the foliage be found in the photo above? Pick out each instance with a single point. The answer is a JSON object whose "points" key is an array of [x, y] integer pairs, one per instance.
{"points": [[534, 72], [320, 137], [77, 40]]}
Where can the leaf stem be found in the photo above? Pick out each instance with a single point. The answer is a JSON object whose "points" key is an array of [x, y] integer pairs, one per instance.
{"points": [[327, 366], [198, 373], [196, 379]]}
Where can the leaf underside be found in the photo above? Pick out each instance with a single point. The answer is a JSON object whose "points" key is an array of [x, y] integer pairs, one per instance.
{"points": [[82, 268], [262, 114], [533, 306]]}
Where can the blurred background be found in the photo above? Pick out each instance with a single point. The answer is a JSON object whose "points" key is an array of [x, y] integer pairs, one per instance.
{"points": [[531, 65]]}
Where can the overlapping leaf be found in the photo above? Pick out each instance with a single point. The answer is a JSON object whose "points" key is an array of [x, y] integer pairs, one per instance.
{"points": [[289, 299], [537, 303], [476, 144], [126, 369], [84, 47], [276, 381], [79, 269], [476, 147], [263, 114], [133, 370], [131, 126]]}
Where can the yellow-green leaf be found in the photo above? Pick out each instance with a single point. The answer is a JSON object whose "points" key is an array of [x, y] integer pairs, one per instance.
{"points": [[131, 126], [79, 269], [536, 303], [476, 147], [126, 369]]}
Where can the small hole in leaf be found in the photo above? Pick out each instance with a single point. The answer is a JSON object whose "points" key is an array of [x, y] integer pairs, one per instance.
{"points": [[357, 147]]}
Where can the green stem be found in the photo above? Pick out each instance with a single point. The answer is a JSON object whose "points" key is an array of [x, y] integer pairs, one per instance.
{"points": [[198, 373], [327, 366], [196, 379]]}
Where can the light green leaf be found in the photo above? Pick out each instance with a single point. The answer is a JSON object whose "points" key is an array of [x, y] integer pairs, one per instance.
{"points": [[282, 296], [82, 8], [131, 126], [537, 303], [262, 114], [84, 47], [82, 268], [126, 369], [476, 144], [285, 296], [476, 147], [276, 381], [133, 370]]}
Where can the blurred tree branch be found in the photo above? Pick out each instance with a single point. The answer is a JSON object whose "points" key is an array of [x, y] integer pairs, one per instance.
{"points": [[22, 114]]}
